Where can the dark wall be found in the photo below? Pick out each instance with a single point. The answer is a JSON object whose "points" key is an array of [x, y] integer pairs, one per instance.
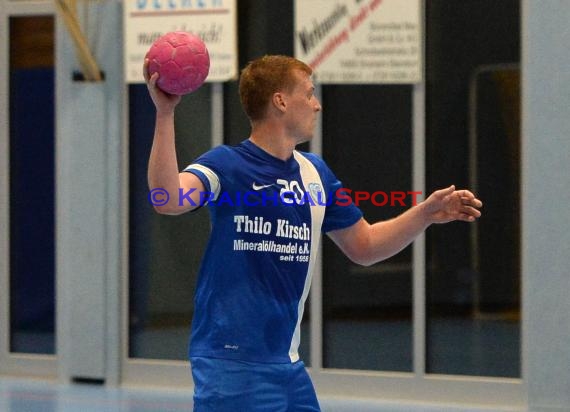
{"points": [[462, 36], [263, 29]]}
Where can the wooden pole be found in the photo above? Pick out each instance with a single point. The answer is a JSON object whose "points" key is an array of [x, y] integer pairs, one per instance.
{"points": [[89, 67]]}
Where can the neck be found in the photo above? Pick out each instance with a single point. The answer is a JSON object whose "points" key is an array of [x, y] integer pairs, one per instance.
{"points": [[272, 141]]}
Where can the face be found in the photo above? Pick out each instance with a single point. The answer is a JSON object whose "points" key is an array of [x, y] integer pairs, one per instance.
{"points": [[302, 107]]}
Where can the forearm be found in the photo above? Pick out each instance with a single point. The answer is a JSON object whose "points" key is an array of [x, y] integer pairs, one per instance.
{"points": [[163, 164], [367, 244], [387, 238]]}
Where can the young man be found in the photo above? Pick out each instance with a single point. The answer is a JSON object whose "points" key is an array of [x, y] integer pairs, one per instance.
{"points": [[269, 204]]}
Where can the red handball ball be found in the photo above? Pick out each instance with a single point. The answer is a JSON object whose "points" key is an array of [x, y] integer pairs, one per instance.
{"points": [[181, 60]]}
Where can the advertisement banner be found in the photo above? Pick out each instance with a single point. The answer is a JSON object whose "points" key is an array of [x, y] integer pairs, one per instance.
{"points": [[215, 21], [360, 41]]}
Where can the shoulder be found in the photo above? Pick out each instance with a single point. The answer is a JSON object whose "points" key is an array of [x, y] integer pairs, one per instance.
{"points": [[214, 164], [318, 162], [219, 157], [315, 159], [221, 151]]}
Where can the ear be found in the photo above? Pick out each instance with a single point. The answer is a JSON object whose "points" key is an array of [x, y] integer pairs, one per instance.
{"points": [[279, 101]]}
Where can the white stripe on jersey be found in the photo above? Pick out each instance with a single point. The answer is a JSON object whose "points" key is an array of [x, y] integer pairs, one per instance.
{"points": [[309, 175], [212, 177]]}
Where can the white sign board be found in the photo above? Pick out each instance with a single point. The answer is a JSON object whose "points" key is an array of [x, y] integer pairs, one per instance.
{"points": [[360, 41], [213, 20]]}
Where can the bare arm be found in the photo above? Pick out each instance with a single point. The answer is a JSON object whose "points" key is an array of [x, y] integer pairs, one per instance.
{"points": [[163, 166], [367, 244]]}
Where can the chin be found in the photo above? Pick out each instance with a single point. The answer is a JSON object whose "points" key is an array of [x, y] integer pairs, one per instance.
{"points": [[305, 139]]}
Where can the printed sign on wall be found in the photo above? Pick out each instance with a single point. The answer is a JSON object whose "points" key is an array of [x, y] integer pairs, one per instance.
{"points": [[215, 21], [360, 41]]}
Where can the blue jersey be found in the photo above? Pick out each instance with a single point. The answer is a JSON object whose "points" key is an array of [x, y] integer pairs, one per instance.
{"points": [[267, 217]]}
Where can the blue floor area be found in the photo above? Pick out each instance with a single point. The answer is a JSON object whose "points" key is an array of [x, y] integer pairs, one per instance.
{"points": [[18, 395], [32, 396]]}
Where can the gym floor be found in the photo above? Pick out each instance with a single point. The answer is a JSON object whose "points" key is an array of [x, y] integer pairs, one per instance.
{"points": [[19, 395]]}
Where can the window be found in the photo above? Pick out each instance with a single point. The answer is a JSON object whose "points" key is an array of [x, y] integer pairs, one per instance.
{"points": [[473, 140], [32, 172], [367, 311], [165, 251]]}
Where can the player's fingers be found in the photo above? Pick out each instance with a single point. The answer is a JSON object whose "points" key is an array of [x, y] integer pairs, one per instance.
{"points": [[442, 193], [467, 218], [471, 211], [152, 81], [472, 198], [145, 70], [466, 193], [471, 201]]}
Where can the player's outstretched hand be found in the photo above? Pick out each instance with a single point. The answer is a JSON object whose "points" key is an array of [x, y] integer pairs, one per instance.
{"points": [[163, 102], [448, 204]]}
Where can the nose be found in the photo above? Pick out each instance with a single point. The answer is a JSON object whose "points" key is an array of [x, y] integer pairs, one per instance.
{"points": [[318, 106]]}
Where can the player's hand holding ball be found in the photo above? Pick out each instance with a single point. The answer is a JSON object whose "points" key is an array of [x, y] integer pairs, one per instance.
{"points": [[181, 60]]}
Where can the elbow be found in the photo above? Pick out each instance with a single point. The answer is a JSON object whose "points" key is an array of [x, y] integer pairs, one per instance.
{"points": [[366, 255], [361, 258], [358, 244], [363, 261]]}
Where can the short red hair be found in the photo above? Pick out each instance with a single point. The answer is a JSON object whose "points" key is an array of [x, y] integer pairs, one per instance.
{"points": [[263, 77]]}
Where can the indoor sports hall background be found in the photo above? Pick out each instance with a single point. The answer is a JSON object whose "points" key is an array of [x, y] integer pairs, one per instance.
{"points": [[96, 289]]}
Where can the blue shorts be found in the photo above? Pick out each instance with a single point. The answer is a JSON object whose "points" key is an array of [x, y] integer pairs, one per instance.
{"points": [[222, 385]]}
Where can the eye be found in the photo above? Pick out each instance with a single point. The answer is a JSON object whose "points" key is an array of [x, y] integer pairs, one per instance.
{"points": [[311, 93]]}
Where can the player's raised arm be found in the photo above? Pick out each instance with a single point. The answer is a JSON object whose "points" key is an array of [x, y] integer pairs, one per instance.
{"points": [[367, 244], [163, 174]]}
